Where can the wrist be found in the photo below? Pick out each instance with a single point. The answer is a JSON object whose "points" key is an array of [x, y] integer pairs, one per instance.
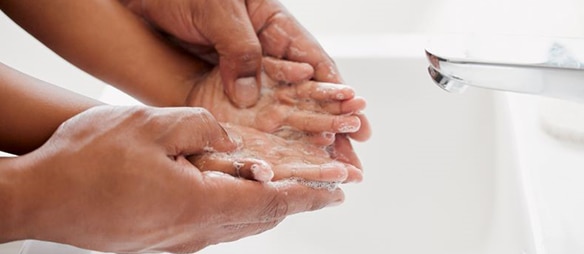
{"points": [[11, 207]]}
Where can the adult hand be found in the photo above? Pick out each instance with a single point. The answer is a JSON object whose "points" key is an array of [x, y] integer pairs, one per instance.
{"points": [[234, 33], [117, 180]]}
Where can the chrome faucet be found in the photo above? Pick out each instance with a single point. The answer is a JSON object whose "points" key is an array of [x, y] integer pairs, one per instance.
{"points": [[534, 65]]}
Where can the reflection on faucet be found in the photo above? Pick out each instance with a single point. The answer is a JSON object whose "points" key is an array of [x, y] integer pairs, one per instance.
{"points": [[559, 56], [542, 66]]}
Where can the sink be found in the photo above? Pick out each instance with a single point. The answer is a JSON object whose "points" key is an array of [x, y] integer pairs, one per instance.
{"points": [[442, 171]]}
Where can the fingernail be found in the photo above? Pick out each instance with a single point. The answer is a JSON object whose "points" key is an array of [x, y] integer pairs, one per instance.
{"points": [[328, 135], [246, 92], [335, 203], [262, 173], [350, 126]]}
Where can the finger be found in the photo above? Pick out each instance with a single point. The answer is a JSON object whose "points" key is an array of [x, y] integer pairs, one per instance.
{"points": [[287, 71], [321, 139], [203, 52], [247, 168], [240, 53], [233, 232], [364, 132], [189, 130], [354, 105], [316, 91], [342, 150], [282, 36], [317, 122], [351, 106], [328, 172], [252, 201]]}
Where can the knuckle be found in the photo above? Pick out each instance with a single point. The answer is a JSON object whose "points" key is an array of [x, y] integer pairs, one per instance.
{"points": [[145, 117], [267, 226], [277, 208], [201, 113], [139, 113], [247, 51]]}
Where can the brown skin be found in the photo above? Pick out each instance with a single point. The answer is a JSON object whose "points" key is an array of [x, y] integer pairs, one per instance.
{"points": [[308, 106], [235, 39], [77, 179], [32, 110], [286, 158], [106, 34], [116, 179], [105, 39], [236, 35], [74, 179]]}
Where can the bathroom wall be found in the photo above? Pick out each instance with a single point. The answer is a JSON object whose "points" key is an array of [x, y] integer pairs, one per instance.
{"points": [[332, 17], [541, 17]]}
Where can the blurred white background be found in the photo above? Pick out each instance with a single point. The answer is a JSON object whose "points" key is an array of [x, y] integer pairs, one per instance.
{"points": [[330, 20], [326, 18]]}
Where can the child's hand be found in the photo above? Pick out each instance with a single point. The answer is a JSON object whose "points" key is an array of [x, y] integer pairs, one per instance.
{"points": [[290, 105]]}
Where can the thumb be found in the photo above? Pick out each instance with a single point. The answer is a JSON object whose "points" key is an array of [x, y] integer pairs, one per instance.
{"points": [[191, 131], [240, 54]]}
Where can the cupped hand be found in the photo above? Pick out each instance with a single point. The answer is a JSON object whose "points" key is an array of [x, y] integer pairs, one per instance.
{"points": [[320, 109], [234, 34], [263, 157], [117, 180]]}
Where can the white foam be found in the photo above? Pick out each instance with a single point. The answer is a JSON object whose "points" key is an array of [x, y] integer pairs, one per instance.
{"points": [[330, 186]]}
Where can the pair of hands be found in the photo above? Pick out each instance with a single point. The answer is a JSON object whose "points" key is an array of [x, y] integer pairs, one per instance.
{"points": [[232, 42], [235, 34], [89, 153], [126, 204]]}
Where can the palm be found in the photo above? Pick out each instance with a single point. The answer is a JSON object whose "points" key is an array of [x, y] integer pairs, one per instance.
{"points": [[285, 158], [309, 107]]}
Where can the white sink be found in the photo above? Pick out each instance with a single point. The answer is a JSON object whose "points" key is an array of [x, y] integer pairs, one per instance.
{"points": [[553, 173], [441, 169]]}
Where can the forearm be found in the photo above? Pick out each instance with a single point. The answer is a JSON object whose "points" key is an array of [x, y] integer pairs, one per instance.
{"points": [[108, 41], [32, 110]]}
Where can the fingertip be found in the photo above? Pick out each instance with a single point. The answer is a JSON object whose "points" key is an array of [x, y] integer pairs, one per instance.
{"points": [[304, 72], [241, 79], [364, 132], [225, 143], [353, 105], [345, 92], [349, 124], [355, 175], [244, 92], [262, 172]]}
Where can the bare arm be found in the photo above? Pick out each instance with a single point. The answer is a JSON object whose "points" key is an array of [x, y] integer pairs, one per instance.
{"points": [[31, 110], [108, 170], [108, 41]]}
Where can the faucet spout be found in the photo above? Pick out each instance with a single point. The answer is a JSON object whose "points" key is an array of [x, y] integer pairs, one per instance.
{"points": [[448, 83], [541, 66]]}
